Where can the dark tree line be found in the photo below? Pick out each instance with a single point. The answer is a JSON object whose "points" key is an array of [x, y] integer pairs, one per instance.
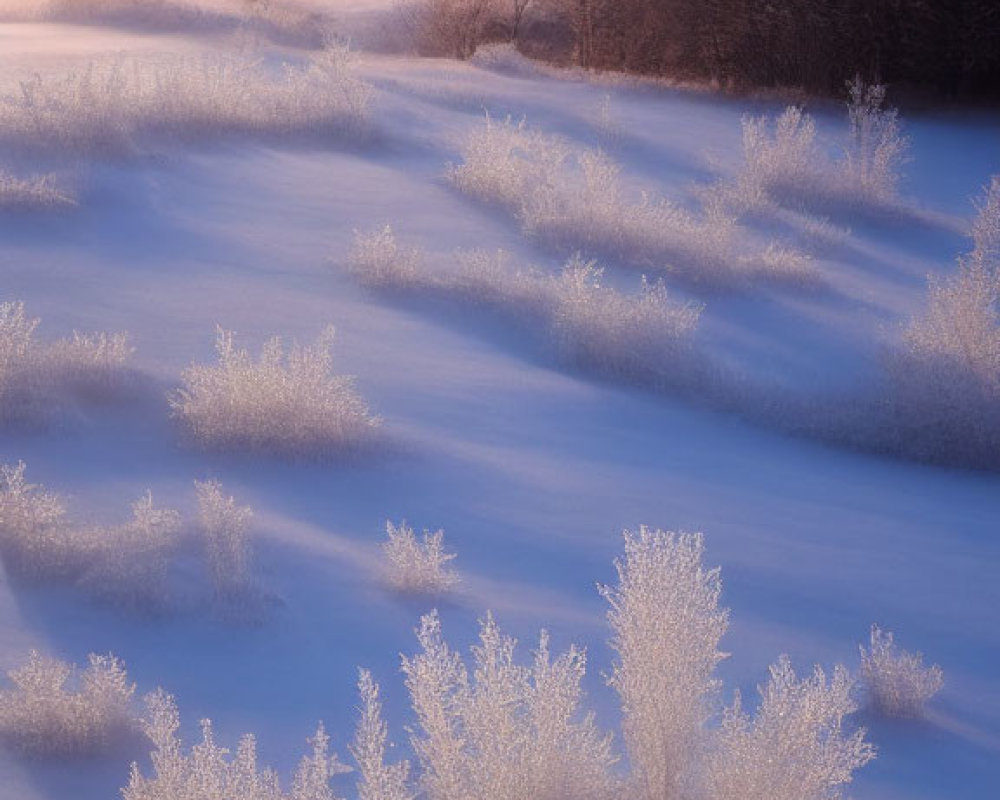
{"points": [[950, 47]]}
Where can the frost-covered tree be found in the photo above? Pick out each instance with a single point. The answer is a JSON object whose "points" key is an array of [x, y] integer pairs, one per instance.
{"points": [[378, 780], [876, 148], [667, 625]]}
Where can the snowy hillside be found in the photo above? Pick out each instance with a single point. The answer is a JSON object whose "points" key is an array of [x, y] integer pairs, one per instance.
{"points": [[747, 365]]}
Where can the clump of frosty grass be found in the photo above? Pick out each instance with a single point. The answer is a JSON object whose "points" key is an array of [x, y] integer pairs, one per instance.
{"points": [[32, 194], [645, 337], [54, 710], [417, 565], [37, 379], [289, 404], [896, 682], [574, 200], [113, 105], [497, 729], [944, 380]]}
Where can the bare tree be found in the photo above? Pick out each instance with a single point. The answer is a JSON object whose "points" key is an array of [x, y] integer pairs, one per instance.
{"points": [[516, 12], [454, 27]]}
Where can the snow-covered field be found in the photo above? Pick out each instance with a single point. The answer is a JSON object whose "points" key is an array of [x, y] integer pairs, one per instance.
{"points": [[165, 180]]}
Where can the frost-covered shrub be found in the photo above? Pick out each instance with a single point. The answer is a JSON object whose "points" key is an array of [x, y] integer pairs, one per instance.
{"points": [[210, 772], [574, 199], [378, 780], [379, 261], [36, 539], [124, 563], [16, 345], [492, 280], [645, 337], [667, 626], [288, 404], [986, 228], [777, 161], [39, 540], [53, 710], [876, 147], [89, 365], [944, 381], [631, 335], [115, 104], [502, 162], [417, 565], [960, 329], [27, 194], [510, 732], [129, 563], [782, 163], [784, 166], [794, 747], [225, 527], [896, 682], [37, 379], [506, 732], [500, 730]]}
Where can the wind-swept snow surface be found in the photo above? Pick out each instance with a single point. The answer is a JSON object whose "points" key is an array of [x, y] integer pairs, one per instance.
{"points": [[702, 345]]}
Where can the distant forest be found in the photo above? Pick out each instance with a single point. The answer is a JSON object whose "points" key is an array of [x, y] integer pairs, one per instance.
{"points": [[949, 48]]}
